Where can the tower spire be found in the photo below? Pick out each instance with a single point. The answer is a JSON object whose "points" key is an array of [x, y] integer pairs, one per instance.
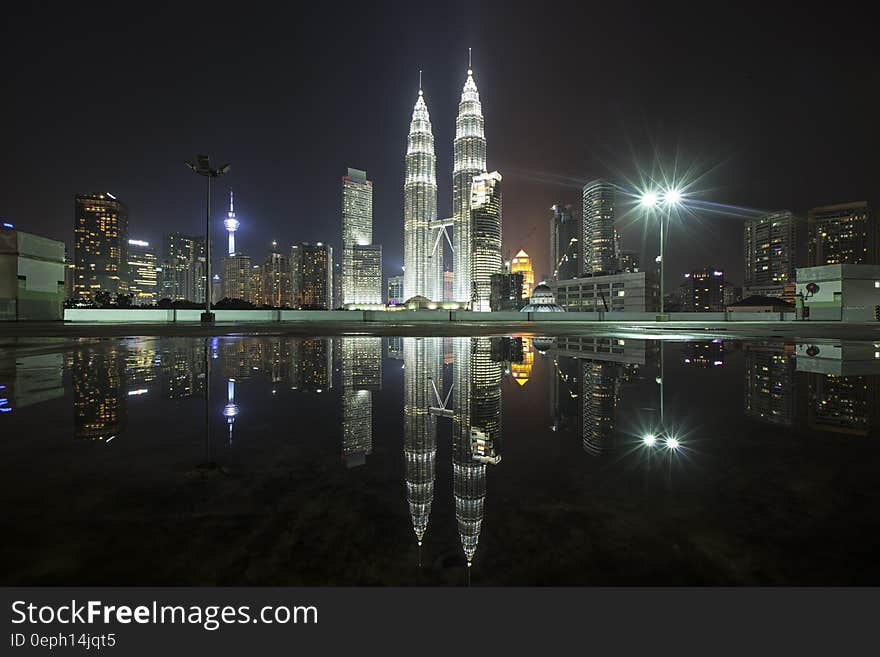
{"points": [[231, 204], [420, 82], [470, 68]]}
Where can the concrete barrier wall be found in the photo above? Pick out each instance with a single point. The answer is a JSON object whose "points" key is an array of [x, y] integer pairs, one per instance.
{"points": [[159, 316]]}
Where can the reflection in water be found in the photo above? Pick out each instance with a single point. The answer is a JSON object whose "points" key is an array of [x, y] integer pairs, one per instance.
{"points": [[595, 387], [361, 375]]}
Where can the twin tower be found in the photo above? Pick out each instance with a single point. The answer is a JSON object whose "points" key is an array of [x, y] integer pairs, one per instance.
{"points": [[474, 243]]}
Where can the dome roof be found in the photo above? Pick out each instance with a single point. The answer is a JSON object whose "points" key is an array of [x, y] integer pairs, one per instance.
{"points": [[543, 301]]}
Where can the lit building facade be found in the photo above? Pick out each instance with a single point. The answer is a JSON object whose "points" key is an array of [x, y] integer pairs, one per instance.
{"points": [[522, 264], [183, 268], [361, 374], [357, 234], [628, 292], [101, 243], [142, 279], [844, 234], [469, 149], [506, 291], [236, 278], [598, 239], [771, 246], [485, 236], [276, 279], [704, 291], [311, 268], [395, 290], [366, 275], [419, 203]]}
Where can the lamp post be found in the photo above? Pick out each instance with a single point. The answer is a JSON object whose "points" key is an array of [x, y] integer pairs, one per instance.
{"points": [[667, 201], [203, 168]]}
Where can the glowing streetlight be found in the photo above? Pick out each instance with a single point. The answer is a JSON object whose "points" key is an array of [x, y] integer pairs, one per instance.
{"points": [[672, 443], [649, 199], [649, 440], [670, 198]]}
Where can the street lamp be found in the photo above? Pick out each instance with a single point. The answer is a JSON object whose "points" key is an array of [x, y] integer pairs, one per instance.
{"points": [[667, 201], [203, 168]]}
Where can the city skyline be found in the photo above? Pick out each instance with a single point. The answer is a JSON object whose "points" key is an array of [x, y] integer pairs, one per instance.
{"points": [[763, 158]]}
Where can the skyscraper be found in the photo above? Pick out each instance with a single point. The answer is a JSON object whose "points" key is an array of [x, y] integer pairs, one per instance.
{"points": [[395, 290], [276, 279], [485, 207], [565, 236], [142, 273], [237, 277], [770, 250], [311, 272], [469, 160], [842, 234], [231, 224], [522, 264], [357, 235], [597, 241], [419, 200], [101, 243], [183, 264]]}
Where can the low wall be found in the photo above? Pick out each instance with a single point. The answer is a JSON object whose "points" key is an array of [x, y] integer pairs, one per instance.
{"points": [[160, 316]]}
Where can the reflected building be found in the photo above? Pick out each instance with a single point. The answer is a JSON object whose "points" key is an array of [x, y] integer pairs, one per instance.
{"points": [[521, 370], [183, 367], [476, 433], [98, 379], [769, 391], [599, 400], [311, 364], [361, 367], [705, 353], [421, 375]]}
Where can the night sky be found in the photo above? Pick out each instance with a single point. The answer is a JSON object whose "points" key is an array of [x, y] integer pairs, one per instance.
{"points": [[776, 107]]}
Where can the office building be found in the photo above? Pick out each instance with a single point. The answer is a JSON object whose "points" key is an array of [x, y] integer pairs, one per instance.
{"points": [[485, 228], [844, 234], [395, 290], [101, 241], [506, 291], [522, 264], [276, 279], [142, 280], [311, 267], [771, 247], [359, 287], [597, 240], [565, 236], [236, 277], [182, 275], [627, 292], [704, 291]]}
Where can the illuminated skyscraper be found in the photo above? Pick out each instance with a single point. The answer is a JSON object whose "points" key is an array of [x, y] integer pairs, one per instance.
{"points": [[597, 243], [361, 259], [236, 277], [421, 373], [770, 249], [486, 236], [311, 267], [101, 244], [142, 273], [419, 201], [276, 279], [522, 264], [183, 268], [231, 224], [469, 161]]}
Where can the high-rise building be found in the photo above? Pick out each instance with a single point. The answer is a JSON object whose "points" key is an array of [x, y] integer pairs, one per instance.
{"points": [[469, 149], [704, 290], [231, 224], [69, 274], [311, 267], [506, 291], [565, 236], [276, 279], [597, 241], [366, 276], [419, 202], [485, 236], [101, 241], [357, 236], [448, 285], [183, 268], [258, 286], [142, 273], [844, 234], [236, 277], [770, 248], [395, 290], [522, 264]]}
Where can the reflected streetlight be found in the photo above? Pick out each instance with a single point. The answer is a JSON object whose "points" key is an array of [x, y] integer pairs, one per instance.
{"points": [[202, 166]]}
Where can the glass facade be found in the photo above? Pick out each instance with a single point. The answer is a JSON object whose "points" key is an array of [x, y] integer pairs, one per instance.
{"points": [[486, 236], [597, 242]]}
